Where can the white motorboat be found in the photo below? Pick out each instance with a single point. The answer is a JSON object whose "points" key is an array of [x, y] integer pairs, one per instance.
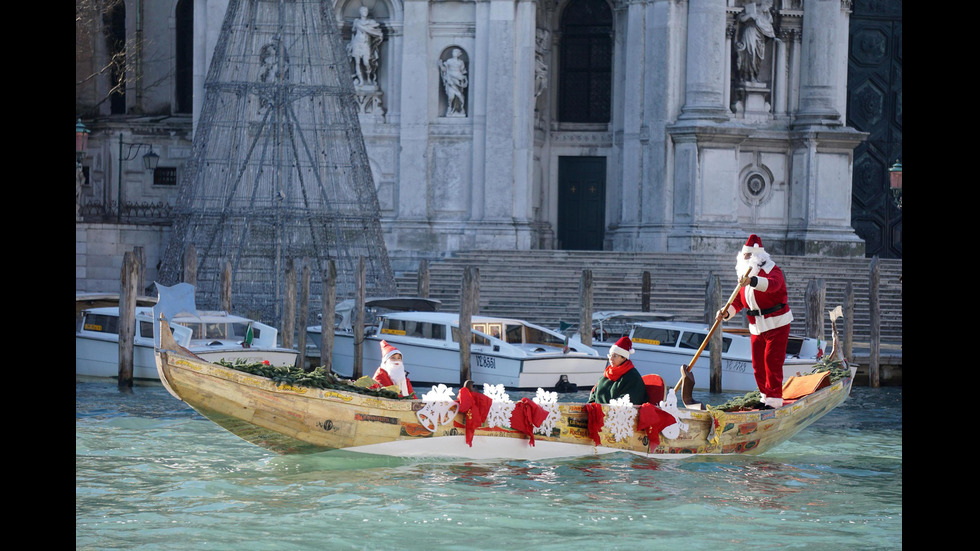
{"points": [[662, 347], [504, 351], [212, 335]]}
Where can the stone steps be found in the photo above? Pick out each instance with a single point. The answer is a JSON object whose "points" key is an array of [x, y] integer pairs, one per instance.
{"points": [[543, 286]]}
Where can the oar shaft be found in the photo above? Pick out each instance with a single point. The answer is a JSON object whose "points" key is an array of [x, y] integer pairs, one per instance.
{"points": [[711, 331]]}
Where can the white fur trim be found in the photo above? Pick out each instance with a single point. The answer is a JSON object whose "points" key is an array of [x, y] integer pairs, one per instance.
{"points": [[753, 249], [774, 402], [621, 351]]}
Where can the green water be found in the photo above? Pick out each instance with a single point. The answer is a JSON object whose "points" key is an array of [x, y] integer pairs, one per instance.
{"points": [[152, 474]]}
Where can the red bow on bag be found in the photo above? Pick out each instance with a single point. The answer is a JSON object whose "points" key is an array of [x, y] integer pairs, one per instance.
{"points": [[596, 420], [475, 406], [527, 416], [653, 420]]}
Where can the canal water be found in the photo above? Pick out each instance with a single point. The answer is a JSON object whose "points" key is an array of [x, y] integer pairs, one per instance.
{"points": [[153, 474]]}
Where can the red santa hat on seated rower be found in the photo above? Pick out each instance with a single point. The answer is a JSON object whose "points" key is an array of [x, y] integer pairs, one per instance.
{"points": [[623, 347], [388, 351], [753, 245]]}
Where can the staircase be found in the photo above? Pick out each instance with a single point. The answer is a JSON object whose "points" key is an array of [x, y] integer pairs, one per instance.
{"points": [[542, 286]]}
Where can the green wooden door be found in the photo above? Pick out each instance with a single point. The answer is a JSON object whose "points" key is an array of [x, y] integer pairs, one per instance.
{"points": [[581, 202]]}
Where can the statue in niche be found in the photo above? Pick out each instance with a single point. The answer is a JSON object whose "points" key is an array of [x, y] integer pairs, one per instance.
{"points": [[756, 26], [454, 81], [540, 67], [365, 48]]}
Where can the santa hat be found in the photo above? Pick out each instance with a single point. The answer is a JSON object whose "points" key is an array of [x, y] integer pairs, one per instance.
{"points": [[623, 347], [753, 245], [388, 351]]}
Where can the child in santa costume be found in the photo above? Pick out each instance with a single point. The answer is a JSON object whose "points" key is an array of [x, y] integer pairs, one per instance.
{"points": [[763, 293], [392, 371], [620, 377]]}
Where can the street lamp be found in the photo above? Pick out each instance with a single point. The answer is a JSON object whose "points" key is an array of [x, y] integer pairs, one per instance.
{"points": [[81, 144], [150, 161], [895, 176], [81, 141]]}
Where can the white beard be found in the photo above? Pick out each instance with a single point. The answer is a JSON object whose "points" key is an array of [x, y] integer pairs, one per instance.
{"points": [[756, 261], [396, 370]]}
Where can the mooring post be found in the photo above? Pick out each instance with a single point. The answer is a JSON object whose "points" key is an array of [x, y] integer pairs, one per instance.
{"points": [[326, 320], [127, 319], [226, 287], [469, 303], [359, 320], [849, 322], [423, 279], [874, 285], [645, 292], [585, 308], [816, 296], [289, 305], [713, 302], [190, 264], [304, 313]]}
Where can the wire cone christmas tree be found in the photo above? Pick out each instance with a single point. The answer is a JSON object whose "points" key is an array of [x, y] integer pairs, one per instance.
{"points": [[279, 169]]}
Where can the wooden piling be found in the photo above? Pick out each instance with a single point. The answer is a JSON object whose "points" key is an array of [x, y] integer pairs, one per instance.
{"points": [[329, 299], [359, 297], [190, 264], [304, 313], [713, 302], [645, 292], [585, 307], [469, 306], [226, 287], [815, 297], [288, 322], [127, 319], [874, 286], [848, 335], [423, 279], [139, 252]]}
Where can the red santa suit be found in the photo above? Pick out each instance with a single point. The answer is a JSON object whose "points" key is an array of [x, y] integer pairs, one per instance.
{"points": [[392, 372], [769, 319]]}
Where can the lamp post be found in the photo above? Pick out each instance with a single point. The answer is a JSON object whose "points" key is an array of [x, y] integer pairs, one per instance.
{"points": [[895, 177], [150, 161], [81, 144]]}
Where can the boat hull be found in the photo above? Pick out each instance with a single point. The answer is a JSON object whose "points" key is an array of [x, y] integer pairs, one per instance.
{"points": [[288, 419]]}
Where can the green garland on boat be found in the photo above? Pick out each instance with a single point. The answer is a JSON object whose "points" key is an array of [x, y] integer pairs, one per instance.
{"points": [[753, 400], [296, 376]]}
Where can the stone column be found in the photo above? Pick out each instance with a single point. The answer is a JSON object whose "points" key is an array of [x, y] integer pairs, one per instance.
{"points": [[820, 70], [499, 170], [412, 164], [706, 61], [523, 68]]}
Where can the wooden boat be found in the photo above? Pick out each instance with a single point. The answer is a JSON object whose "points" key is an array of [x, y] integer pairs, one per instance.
{"points": [[294, 419]]}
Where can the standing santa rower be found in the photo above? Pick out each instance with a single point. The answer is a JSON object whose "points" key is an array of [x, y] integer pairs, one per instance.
{"points": [[763, 293]]}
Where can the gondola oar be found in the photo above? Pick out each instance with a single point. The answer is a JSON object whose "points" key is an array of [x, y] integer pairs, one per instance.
{"points": [[686, 382]]}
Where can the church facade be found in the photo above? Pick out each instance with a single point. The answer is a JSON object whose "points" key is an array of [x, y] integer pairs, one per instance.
{"points": [[627, 125]]}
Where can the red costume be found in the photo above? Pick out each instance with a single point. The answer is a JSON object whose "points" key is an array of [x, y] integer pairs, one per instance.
{"points": [[769, 317], [392, 371]]}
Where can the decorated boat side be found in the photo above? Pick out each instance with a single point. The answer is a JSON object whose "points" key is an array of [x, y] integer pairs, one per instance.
{"points": [[315, 411]]}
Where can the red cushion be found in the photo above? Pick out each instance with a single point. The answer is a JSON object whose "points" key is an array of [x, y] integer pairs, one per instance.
{"points": [[655, 387]]}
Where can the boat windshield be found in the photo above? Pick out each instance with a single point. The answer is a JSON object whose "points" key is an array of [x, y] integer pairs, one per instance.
{"points": [[219, 331], [657, 336], [537, 336], [101, 323], [414, 328], [692, 340]]}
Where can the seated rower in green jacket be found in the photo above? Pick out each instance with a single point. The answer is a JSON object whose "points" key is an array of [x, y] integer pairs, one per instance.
{"points": [[620, 377]]}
